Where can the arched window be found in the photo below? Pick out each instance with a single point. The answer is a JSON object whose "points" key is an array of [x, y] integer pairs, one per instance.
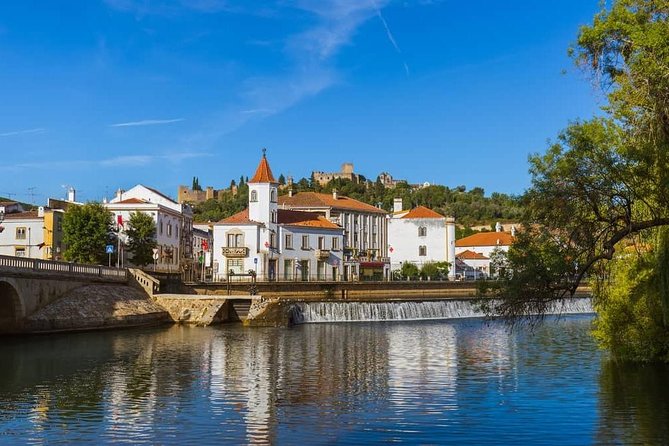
{"points": [[272, 196], [254, 196], [422, 251], [422, 231]]}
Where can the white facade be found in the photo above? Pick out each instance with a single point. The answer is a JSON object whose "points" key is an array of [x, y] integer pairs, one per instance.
{"points": [[420, 236], [276, 244], [174, 225], [22, 235]]}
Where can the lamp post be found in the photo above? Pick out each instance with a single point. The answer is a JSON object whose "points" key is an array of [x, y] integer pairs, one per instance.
{"points": [[295, 275]]}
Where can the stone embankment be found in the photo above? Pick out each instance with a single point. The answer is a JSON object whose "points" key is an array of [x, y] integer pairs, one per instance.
{"points": [[97, 307]]}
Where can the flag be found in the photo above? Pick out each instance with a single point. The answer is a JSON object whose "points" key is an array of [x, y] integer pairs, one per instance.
{"points": [[205, 245], [119, 219]]}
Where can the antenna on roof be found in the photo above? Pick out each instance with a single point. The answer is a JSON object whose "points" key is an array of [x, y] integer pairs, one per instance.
{"points": [[31, 192]]}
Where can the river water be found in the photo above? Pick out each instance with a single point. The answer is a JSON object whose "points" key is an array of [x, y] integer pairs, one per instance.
{"points": [[417, 382]]}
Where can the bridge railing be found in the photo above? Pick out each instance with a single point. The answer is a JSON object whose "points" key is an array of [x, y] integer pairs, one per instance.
{"points": [[62, 267]]}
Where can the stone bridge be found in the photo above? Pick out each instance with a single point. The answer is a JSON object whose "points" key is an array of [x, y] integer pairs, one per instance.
{"points": [[26, 285]]}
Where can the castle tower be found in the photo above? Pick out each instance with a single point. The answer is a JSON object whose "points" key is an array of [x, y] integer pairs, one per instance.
{"points": [[263, 194]]}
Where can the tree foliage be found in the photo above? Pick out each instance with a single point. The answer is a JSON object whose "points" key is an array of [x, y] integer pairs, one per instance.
{"points": [[604, 183], [86, 232], [141, 238]]}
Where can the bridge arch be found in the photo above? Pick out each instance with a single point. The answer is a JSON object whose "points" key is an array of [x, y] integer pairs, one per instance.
{"points": [[11, 311]]}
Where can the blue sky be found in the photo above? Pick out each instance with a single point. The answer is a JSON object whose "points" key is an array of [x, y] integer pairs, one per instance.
{"points": [[111, 93]]}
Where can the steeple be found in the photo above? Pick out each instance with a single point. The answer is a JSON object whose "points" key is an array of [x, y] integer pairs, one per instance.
{"points": [[263, 194], [263, 172]]}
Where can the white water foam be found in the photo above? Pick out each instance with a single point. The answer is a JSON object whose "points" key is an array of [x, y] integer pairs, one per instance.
{"points": [[319, 312]]}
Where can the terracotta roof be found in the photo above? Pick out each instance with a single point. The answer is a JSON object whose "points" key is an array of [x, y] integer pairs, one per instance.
{"points": [[470, 255], [316, 200], [7, 203], [132, 201], [240, 218], [422, 212], [263, 173], [310, 219], [486, 239], [22, 215]]}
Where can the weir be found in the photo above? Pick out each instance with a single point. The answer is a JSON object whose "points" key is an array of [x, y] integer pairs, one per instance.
{"points": [[320, 312]]}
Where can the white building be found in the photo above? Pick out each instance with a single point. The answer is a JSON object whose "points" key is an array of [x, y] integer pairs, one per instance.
{"points": [[174, 225], [35, 234], [420, 236], [203, 241], [365, 231], [475, 250], [276, 244]]}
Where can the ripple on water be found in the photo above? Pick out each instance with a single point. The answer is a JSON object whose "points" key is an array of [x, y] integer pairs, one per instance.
{"points": [[447, 382]]}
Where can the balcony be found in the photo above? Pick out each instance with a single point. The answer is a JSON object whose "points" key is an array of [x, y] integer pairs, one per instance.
{"points": [[236, 252], [322, 254]]}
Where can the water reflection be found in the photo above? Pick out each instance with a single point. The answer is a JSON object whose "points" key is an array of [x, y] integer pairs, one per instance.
{"points": [[634, 404], [418, 382]]}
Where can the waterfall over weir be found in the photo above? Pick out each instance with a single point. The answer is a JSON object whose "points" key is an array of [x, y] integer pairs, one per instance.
{"points": [[315, 312]]}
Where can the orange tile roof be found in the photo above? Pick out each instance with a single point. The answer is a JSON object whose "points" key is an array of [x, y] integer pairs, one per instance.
{"points": [[422, 212], [470, 255], [486, 239], [316, 200], [240, 218], [263, 172], [22, 215], [300, 218]]}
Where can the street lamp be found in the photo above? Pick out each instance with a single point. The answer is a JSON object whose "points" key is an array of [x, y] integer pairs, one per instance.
{"points": [[295, 275]]}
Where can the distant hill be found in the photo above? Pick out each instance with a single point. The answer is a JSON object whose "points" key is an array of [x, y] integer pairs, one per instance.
{"points": [[26, 206]]}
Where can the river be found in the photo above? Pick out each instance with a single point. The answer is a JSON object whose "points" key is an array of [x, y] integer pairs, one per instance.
{"points": [[413, 382]]}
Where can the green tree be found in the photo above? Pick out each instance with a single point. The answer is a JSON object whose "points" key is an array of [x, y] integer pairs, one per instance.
{"points": [[86, 231], [434, 270], [604, 184], [282, 179], [141, 238], [409, 271]]}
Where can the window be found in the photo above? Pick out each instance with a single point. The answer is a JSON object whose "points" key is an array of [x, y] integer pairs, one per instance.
{"points": [[320, 271], [235, 266], [272, 239], [273, 196], [254, 196], [289, 241], [235, 240], [422, 250], [161, 227], [21, 233], [288, 270], [169, 229], [20, 252], [422, 231], [305, 242], [321, 242], [273, 217], [335, 243]]}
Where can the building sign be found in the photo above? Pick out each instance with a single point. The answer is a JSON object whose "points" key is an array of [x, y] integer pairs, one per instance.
{"points": [[235, 252]]}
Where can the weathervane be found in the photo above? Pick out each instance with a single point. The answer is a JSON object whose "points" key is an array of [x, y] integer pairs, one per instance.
{"points": [[264, 152]]}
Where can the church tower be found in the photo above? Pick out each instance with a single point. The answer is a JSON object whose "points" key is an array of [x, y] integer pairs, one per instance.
{"points": [[263, 194]]}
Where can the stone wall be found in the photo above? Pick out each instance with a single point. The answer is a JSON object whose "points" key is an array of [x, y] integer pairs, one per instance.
{"points": [[96, 307]]}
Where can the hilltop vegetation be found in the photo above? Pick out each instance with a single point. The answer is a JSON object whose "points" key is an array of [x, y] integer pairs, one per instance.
{"points": [[469, 207]]}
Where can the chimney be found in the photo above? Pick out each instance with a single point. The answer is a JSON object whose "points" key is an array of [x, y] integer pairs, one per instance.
{"points": [[498, 227], [40, 211], [513, 231], [334, 193], [71, 195], [119, 194], [398, 205], [290, 192]]}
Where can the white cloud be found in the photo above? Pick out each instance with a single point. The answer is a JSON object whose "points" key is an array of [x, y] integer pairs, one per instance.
{"points": [[119, 161], [23, 132], [146, 122]]}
